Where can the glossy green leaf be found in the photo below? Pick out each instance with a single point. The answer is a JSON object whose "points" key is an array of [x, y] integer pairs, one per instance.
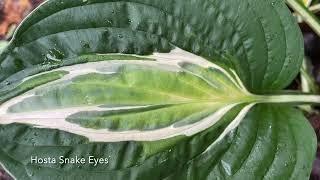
{"points": [[278, 136], [262, 35], [274, 142]]}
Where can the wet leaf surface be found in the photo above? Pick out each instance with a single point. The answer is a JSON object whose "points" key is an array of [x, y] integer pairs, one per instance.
{"points": [[312, 45]]}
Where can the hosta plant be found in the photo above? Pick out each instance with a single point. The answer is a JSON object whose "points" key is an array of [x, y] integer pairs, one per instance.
{"points": [[155, 89]]}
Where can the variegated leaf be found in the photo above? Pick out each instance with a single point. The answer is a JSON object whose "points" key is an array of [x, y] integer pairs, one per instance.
{"points": [[126, 97]]}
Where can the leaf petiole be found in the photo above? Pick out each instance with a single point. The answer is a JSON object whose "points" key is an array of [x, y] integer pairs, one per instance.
{"points": [[296, 98]]}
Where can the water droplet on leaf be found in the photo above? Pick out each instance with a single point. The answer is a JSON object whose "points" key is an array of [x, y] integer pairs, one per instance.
{"points": [[109, 22], [7, 82], [54, 56], [85, 45]]}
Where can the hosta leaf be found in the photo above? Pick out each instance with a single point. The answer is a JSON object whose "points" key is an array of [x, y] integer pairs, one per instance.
{"points": [[166, 116], [278, 136], [262, 35], [274, 142], [157, 97]]}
